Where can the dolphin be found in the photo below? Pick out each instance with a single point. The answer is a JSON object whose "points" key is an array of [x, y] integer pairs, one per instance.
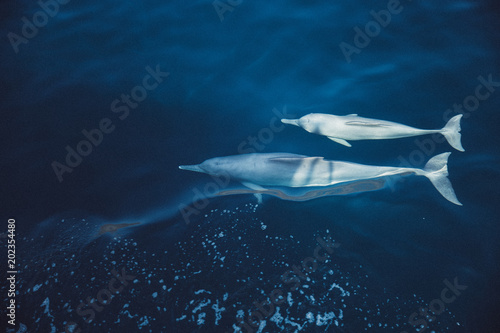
{"points": [[260, 170], [353, 127]]}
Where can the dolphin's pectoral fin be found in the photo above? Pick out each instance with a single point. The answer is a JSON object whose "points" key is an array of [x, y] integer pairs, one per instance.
{"points": [[256, 188], [341, 141], [259, 197], [363, 123]]}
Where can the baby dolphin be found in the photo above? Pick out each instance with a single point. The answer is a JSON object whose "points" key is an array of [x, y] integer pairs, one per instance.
{"points": [[259, 170], [353, 127]]}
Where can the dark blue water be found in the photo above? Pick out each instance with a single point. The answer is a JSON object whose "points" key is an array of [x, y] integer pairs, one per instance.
{"points": [[207, 84]]}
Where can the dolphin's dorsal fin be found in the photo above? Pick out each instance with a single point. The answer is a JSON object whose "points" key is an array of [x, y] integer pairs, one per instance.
{"points": [[341, 141], [365, 123]]}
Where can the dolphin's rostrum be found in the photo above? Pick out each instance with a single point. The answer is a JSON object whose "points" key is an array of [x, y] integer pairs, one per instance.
{"points": [[260, 170], [352, 127]]}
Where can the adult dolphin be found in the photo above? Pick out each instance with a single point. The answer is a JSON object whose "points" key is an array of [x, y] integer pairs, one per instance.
{"points": [[352, 127], [259, 170]]}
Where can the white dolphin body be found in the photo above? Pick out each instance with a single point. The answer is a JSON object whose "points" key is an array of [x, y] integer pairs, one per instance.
{"points": [[283, 169], [352, 127]]}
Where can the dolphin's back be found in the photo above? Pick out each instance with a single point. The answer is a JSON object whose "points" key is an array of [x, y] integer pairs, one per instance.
{"points": [[283, 169]]}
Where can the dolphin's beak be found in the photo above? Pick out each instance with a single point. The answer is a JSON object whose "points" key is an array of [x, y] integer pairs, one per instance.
{"points": [[191, 168], [290, 121]]}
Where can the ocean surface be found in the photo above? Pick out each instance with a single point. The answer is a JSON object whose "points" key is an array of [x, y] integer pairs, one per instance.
{"points": [[102, 101]]}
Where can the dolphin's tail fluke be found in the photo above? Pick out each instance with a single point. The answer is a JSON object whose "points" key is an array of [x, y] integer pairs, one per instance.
{"points": [[290, 121], [437, 171], [452, 132]]}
